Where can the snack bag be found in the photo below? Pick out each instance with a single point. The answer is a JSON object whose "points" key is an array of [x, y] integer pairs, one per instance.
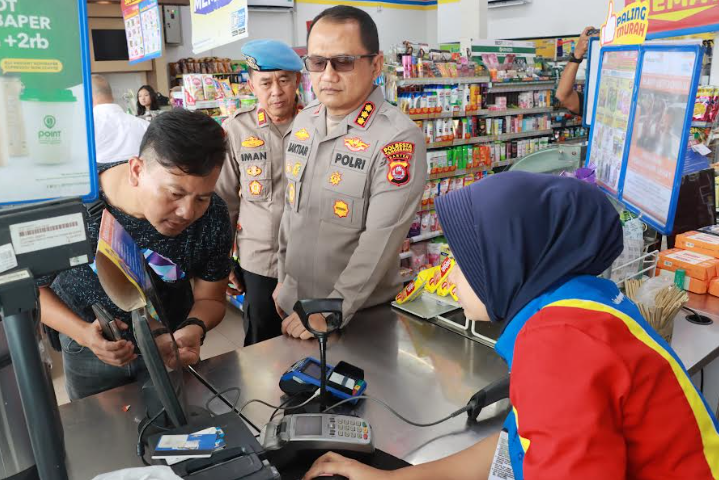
{"points": [[439, 275], [193, 89], [413, 288], [208, 85]]}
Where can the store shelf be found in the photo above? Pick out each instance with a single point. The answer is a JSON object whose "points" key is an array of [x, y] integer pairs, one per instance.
{"points": [[457, 173], [508, 87], [213, 74], [702, 124], [490, 138], [575, 140], [567, 124], [405, 255], [425, 236], [431, 116], [204, 105], [401, 82], [515, 111]]}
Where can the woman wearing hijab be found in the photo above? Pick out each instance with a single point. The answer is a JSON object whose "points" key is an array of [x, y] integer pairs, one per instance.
{"points": [[596, 392]]}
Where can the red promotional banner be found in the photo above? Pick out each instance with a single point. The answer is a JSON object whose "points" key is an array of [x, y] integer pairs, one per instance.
{"points": [[668, 18]]}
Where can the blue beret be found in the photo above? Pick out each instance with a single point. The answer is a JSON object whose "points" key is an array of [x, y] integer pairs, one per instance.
{"points": [[269, 55]]}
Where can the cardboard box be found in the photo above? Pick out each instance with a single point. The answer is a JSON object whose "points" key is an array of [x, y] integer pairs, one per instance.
{"points": [[690, 284], [714, 287], [696, 265], [703, 243]]}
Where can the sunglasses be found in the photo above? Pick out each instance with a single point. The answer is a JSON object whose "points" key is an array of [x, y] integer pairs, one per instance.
{"points": [[340, 63]]}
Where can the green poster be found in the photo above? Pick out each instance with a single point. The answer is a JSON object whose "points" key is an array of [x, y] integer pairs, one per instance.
{"points": [[44, 114]]}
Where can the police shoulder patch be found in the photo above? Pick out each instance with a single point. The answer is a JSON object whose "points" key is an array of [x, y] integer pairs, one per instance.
{"points": [[365, 114], [398, 155]]}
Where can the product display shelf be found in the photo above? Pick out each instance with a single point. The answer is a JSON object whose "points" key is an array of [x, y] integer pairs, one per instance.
{"points": [[490, 138], [515, 111], [574, 123], [405, 255], [575, 140], [432, 116], [425, 236], [699, 124], [216, 74], [499, 87], [204, 104], [457, 173], [403, 82]]}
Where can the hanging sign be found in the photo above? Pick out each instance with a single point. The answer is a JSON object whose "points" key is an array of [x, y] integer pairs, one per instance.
{"points": [[628, 27], [217, 22], [143, 29], [46, 129], [670, 18]]}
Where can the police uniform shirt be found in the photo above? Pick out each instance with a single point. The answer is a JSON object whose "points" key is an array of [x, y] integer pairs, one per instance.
{"points": [[255, 163], [351, 197]]}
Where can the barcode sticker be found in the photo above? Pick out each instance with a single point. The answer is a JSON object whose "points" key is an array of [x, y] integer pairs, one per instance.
{"points": [[79, 260], [7, 258], [501, 468], [47, 233]]}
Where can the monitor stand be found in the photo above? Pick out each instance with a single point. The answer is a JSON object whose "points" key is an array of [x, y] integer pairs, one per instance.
{"points": [[153, 405]]}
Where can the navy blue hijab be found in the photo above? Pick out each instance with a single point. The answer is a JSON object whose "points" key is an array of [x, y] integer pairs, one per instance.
{"points": [[516, 234]]}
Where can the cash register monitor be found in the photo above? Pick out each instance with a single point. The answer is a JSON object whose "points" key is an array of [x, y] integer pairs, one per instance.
{"points": [[159, 351]]}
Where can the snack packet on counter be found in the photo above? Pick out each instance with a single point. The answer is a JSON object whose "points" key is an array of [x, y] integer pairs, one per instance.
{"points": [[208, 85], [413, 288], [439, 275]]}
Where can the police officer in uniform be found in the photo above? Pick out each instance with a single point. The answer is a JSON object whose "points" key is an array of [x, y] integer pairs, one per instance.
{"points": [[252, 181], [356, 168]]}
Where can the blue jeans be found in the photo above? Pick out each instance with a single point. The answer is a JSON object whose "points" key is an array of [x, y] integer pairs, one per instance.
{"points": [[86, 375]]}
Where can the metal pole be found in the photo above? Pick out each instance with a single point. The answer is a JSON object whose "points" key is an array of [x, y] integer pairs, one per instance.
{"points": [[47, 444]]}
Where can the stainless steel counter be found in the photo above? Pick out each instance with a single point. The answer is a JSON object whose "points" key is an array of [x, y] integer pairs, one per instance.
{"points": [[422, 370], [697, 345]]}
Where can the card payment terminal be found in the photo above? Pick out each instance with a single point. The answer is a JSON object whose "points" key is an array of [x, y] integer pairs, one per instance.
{"points": [[343, 381]]}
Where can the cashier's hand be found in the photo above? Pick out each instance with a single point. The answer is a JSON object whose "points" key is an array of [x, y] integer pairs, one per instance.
{"points": [[117, 354], [188, 344], [335, 464], [292, 326]]}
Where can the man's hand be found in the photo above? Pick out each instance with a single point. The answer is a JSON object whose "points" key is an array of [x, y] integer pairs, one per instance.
{"points": [[292, 326], [276, 294], [583, 44], [335, 464], [188, 344], [237, 283], [117, 354]]}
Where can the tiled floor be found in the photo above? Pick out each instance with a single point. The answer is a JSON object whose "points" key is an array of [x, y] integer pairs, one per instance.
{"points": [[229, 335]]}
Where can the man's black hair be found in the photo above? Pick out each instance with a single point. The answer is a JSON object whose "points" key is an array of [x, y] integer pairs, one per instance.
{"points": [[343, 14], [189, 141]]}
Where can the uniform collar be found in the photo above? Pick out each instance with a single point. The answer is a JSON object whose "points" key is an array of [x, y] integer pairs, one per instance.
{"points": [[361, 118]]}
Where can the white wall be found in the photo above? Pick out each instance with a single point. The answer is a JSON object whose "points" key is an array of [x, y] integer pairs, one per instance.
{"points": [[394, 26], [547, 18], [122, 82]]}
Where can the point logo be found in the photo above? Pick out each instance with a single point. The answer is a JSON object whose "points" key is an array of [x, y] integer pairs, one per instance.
{"points": [[49, 121]]}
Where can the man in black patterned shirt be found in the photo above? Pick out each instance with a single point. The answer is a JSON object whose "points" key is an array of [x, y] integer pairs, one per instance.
{"points": [[164, 199]]}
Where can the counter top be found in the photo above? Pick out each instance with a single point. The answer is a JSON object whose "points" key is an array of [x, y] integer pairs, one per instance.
{"points": [[697, 345]]}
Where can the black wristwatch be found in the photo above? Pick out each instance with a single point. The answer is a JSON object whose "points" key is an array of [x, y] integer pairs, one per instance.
{"points": [[199, 323], [574, 59]]}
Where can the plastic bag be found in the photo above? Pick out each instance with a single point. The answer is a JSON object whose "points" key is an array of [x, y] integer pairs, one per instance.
{"points": [[649, 289], [633, 232], [145, 473]]}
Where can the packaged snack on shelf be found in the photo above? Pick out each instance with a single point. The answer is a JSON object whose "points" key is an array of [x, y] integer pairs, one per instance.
{"points": [[426, 194], [208, 85], [425, 224], [413, 289], [416, 227], [226, 87], [696, 265], [193, 89], [458, 182], [467, 180], [434, 252], [439, 275], [418, 260], [434, 222], [703, 103], [444, 186]]}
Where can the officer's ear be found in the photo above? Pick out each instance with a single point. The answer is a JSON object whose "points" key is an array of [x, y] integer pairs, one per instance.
{"points": [[298, 79], [249, 80], [377, 63]]}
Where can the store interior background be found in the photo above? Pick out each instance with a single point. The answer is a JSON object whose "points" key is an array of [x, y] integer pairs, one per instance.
{"points": [[539, 18]]}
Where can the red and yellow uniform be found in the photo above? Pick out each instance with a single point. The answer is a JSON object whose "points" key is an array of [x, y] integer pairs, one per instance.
{"points": [[598, 394]]}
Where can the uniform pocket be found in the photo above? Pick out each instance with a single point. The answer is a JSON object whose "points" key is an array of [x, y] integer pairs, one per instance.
{"points": [[344, 197], [256, 179]]}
